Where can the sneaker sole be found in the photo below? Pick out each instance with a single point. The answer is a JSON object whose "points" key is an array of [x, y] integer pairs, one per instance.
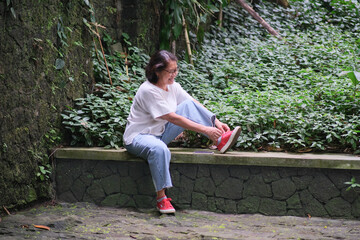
{"points": [[232, 140], [166, 211]]}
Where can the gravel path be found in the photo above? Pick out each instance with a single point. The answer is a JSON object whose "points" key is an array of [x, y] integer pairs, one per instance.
{"points": [[87, 221]]}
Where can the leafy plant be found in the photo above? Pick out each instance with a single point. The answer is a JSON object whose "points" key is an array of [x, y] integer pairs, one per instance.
{"points": [[44, 172], [44, 166], [11, 8], [352, 183], [4, 148], [101, 119], [285, 94], [354, 77], [184, 17]]}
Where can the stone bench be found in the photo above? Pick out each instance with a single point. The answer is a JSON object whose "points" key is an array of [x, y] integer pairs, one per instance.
{"points": [[269, 183]]}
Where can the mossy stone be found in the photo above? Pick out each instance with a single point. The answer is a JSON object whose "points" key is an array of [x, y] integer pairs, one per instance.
{"points": [[143, 201], [322, 188], [199, 201], [111, 184], [256, 186], [270, 206], [282, 189], [31, 195], [248, 205], [205, 186], [338, 207], [311, 205], [294, 202], [231, 188]]}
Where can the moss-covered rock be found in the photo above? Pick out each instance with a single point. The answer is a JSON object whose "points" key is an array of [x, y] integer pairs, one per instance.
{"points": [[45, 64], [33, 93]]}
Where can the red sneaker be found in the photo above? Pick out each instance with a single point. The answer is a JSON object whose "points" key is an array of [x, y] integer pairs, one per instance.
{"points": [[228, 139], [164, 206]]}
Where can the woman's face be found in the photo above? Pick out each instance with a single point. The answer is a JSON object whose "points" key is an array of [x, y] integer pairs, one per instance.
{"points": [[168, 75]]}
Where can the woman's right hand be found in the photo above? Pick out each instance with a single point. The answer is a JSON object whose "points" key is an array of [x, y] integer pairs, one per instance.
{"points": [[213, 133]]}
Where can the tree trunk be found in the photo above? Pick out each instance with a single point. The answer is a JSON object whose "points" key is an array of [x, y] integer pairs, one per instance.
{"points": [[258, 18]]}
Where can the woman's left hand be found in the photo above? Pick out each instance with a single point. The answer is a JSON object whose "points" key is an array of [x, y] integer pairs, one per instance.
{"points": [[222, 126]]}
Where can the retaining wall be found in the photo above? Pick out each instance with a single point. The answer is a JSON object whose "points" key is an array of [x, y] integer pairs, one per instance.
{"points": [[266, 183]]}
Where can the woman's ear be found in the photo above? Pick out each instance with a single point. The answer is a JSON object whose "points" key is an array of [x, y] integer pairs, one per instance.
{"points": [[155, 76]]}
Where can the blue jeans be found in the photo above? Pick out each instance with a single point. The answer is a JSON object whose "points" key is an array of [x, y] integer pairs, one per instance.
{"points": [[154, 148]]}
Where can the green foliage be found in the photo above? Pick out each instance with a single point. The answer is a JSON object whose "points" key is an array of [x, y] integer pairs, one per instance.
{"points": [[61, 32], [44, 172], [101, 117], [59, 62], [352, 183], [10, 7], [194, 13], [52, 137], [45, 168], [285, 94], [4, 148]]}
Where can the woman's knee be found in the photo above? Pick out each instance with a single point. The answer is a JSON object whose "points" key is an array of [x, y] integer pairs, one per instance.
{"points": [[187, 104], [160, 150]]}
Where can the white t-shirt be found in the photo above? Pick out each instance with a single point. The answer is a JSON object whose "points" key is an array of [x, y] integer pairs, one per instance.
{"points": [[150, 103]]}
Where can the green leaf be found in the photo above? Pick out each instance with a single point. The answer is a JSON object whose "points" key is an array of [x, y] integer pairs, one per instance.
{"points": [[126, 36], [178, 15], [59, 64], [87, 3], [354, 76], [200, 34], [13, 12], [213, 8], [177, 30]]}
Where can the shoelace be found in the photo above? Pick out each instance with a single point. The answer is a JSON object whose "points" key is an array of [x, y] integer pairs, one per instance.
{"points": [[166, 202]]}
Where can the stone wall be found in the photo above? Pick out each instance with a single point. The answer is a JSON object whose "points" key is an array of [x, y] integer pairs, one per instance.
{"points": [[217, 188], [45, 63], [140, 19], [40, 73]]}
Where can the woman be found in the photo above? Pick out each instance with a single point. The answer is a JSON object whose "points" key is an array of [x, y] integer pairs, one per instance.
{"points": [[161, 110]]}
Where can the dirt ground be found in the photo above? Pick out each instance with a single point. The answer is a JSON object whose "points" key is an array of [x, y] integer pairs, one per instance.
{"points": [[87, 221]]}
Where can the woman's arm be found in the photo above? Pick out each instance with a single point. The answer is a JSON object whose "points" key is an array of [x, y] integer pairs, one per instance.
{"points": [[212, 132], [222, 126]]}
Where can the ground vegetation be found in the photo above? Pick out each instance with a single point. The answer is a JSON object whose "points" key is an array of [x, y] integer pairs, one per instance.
{"points": [[297, 93]]}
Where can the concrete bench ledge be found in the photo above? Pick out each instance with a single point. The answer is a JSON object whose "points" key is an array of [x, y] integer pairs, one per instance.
{"points": [[204, 156], [269, 183]]}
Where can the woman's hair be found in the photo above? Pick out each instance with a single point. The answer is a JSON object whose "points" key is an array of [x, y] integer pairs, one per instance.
{"points": [[158, 62]]}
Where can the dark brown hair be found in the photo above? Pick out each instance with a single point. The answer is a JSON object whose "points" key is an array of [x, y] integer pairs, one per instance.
{"points": [[158, 62]]}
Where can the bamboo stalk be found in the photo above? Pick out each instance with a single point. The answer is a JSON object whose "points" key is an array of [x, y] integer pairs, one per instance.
{"points": [[127, 67], [173, 47], [102, 49], [98, 58], [258, 18], [221, 16], [187, 40], [7, 211]]}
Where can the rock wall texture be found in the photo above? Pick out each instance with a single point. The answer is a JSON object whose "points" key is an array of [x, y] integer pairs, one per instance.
{"points": [[45, 63], [140, 19], [43, 67], [217, 188]]}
